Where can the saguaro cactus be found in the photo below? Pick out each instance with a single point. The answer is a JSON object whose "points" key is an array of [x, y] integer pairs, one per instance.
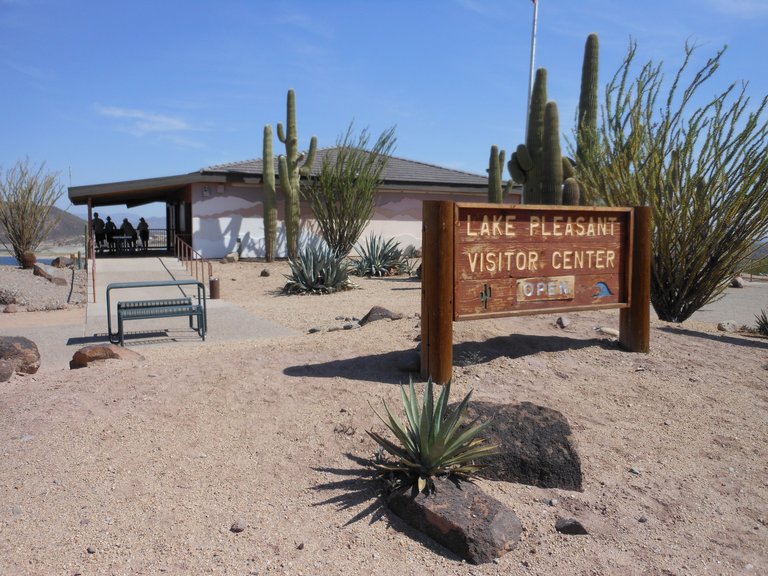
{"points": [[552, 159], [586, 129], [525, 164], [270, 197], [495, 169], [291, 171]]}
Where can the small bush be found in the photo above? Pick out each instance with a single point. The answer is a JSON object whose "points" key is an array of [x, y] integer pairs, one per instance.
{"points": [[317, 271], [379, 257], [762, 322]]}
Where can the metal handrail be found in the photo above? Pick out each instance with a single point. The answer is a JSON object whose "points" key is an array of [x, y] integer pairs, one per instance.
{"points": [[191, 259]]}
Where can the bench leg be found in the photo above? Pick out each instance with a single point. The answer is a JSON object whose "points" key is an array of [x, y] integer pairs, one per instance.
{"points": [[120, 330]]}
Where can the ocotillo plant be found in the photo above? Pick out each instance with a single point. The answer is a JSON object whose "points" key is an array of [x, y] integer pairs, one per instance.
{"points": [[586, 128], [291, 171], [270, 196], [495, 169]]}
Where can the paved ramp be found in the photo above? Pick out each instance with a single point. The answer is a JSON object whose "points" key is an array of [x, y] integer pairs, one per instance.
{"points": [[59, 335]]}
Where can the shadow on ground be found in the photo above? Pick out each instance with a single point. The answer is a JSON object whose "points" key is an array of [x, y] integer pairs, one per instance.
{"points": [[394, 367]]}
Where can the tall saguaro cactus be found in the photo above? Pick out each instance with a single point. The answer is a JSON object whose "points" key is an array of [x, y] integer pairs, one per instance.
{"points": [[552, 159], [291, 170], [270, 196], [525, 164], [495, 170], [586, 129]]}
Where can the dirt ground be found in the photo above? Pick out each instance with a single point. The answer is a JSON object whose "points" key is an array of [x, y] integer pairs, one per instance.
{"points": [[142, 468]]}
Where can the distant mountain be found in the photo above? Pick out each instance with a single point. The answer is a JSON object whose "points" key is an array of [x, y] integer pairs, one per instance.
{"points": [[69, 230]]}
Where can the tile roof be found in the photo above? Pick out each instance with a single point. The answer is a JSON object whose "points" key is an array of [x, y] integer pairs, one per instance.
{"points": [[398, 170]]}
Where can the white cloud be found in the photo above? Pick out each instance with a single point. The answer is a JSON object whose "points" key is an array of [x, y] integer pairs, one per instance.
{"points": [[140, 123], [741, 8]]}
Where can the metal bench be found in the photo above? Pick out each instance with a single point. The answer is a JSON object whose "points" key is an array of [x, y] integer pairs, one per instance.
{"points": [[158, 308]]}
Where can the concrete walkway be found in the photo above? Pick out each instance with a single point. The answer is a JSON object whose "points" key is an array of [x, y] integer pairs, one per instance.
{"points": [[58, 336]]}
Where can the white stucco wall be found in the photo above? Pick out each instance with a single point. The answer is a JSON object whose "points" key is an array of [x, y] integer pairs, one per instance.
{"points": [[224, 213]]}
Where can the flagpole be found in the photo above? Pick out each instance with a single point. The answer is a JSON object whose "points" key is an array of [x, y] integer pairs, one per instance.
{"points": [[533, 62]]}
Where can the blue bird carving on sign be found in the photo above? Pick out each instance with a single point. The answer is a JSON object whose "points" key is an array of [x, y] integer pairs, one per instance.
{"points": [[601, 290]]}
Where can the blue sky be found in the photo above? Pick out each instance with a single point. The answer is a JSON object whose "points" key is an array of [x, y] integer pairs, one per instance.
{"points": [[105, 91]]}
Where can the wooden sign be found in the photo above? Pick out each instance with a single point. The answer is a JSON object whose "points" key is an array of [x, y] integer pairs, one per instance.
{"points": [[491, 260], [513, 260]]}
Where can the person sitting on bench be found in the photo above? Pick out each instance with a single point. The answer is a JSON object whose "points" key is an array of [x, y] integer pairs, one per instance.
{"points": [[127, 229]]}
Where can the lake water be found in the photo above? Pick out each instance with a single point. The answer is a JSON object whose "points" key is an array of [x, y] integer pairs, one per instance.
{"points": [[11, 261]]}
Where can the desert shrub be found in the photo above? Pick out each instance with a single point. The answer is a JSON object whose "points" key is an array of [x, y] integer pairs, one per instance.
{"points": [[703, 171], [762, 322], [343, 194], [317, 270], [27, 197], [433, 441], [379, 257]]}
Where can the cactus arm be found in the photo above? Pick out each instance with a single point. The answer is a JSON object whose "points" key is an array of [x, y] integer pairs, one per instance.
{"points": [[571, 192], [494, 175]]}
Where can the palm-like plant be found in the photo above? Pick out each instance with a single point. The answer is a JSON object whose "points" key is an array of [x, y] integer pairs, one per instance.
{"points": [[432, 442], [762, 322]]}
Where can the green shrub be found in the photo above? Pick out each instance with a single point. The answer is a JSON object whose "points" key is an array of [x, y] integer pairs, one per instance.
{"points": [[317, 271], [379, 257], [432, 442]]}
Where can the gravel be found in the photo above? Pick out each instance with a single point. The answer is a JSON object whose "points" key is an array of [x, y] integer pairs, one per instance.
{"points": [[34, 293]]}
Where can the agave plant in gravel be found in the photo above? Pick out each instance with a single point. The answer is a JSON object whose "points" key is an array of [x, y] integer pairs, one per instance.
{"points": [[317, 270], [379, 257], [433, 441]]}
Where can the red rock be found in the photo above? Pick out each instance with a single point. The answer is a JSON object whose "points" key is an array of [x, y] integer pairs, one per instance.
{"points": [[21, 352], [95, 352], [462, 518], [11, 309]]}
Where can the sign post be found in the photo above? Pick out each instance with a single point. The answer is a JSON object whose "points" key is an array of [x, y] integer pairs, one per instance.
{"points": [[496, 260]]}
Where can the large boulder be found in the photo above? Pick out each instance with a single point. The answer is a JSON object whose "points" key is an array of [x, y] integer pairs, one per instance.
{"points": [[21, 353], [535, 444], [63, 262], [96, 352], [55, 275], [462, 518]]}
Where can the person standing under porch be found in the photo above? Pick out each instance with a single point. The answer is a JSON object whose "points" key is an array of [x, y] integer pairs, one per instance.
{"points": [[143, 229], [98, 231]]}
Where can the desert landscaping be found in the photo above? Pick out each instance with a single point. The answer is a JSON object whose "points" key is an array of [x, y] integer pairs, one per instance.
{"points": [[249, 456]]}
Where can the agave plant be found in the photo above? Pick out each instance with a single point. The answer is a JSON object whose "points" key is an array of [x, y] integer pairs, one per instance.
{"points": [[379, 257], [762, 322], [317, 270], [432, 442]]}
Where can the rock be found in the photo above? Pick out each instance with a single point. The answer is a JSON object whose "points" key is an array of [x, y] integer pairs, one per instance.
{"points": [[737, 282], [728, 326], [6, 370], [95, 352], [563, 322], [63, 262], [314, 330], [351, 326], [379, 313], [51, 274], [535, 445], [264, 273], [608, 331], [21, 353], [237, 526], [410, 361], [91, 549], [462, 518], [11, 309], [232, 257], [570, 526]]}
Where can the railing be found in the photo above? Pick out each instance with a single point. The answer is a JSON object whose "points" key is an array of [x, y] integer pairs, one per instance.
{"points": [[192, 260]]}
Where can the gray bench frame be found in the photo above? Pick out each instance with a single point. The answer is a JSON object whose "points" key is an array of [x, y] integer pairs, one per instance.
{"points": [[158, 308]]}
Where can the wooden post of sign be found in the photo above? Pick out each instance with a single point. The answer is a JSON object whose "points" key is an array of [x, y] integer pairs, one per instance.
{"points": [[437, 291], [635, 321]]}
